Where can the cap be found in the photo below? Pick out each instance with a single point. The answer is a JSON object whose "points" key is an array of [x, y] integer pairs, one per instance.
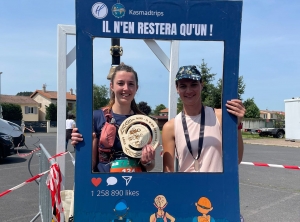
{"points": [[204, 202], [121, 207], [188, 72]]}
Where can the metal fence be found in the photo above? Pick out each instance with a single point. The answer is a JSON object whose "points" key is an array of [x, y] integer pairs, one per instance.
{"points": [[45, 208], [37, 126]]}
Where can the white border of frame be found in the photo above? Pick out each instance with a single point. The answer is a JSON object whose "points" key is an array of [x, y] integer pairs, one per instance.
{"points": [[64, 60]]}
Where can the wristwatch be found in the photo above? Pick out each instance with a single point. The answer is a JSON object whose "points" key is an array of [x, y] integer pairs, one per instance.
{"points": [[147, 164], [240, 126]]}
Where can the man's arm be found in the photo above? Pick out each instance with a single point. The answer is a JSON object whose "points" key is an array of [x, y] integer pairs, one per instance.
{"points": [[240, 146], [168, 143], [240, 139], [236, 107]]}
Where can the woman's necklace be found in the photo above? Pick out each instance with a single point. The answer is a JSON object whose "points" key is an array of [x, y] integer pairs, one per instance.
{"points": [[201, 135]]}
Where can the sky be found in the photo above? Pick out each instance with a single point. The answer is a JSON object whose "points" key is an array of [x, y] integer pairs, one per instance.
{"points": [[269, 52]]}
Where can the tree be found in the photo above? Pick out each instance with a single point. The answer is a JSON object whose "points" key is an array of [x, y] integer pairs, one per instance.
{"points": [[51, 112], [208, 86], [252, 111], [212, 95], [158, 109], [143, 106], [241, 87], [11, 111], [73, 111], [24, 93], [179, 105], [280, 121], [215, 100], [216, 94], [100, 96]]}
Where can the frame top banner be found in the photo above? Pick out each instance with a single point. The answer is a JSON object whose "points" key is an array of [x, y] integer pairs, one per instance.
{"points": [[170, 20]]}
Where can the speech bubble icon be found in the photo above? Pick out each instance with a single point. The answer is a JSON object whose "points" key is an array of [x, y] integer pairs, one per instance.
{"points": [[111, 181]]}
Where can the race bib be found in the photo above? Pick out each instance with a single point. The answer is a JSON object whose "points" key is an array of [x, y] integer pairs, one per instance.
{"points": [[125, 166]]}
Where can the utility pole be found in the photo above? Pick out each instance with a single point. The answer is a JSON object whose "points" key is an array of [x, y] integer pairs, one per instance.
{"points": [[116, 52]]}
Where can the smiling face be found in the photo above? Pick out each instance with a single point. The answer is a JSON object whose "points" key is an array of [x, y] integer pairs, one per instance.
{"points": [[189, 91], [124, 86]]}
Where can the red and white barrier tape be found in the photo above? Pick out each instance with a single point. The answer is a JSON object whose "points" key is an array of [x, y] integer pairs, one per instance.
{"points": [[59, 154], [53, 183], [22, 184], [271, 165], [32, 178], [30, 130], [27, 154]]}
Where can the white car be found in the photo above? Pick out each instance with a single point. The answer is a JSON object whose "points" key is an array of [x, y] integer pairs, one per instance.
{"points": [[14, 130]]}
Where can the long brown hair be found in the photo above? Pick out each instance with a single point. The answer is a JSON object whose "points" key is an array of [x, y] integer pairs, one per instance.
{"points": [[133, 105]]}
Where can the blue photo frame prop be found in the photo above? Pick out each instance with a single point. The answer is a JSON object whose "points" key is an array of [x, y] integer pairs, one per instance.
{"points": [[105, 197]]}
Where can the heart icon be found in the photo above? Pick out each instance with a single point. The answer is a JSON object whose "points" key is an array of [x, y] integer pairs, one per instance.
{"points": [[96, 181]]}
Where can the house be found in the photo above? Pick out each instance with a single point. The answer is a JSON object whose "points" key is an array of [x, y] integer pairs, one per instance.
{"points": [[28, 105], [164, 112], [270, 115], [45, 98], [161, 118]]}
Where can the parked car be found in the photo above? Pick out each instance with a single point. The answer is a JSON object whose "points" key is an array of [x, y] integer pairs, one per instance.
{"points": [[14, 130], [275, 132], [6, 145]]}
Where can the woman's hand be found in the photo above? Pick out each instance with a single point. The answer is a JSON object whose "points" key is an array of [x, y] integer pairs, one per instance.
{"points": [[76, 137], [236, 107], [148, 154]]}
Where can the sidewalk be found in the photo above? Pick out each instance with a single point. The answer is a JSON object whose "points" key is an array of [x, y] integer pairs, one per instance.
{"points": [[272, 142]]}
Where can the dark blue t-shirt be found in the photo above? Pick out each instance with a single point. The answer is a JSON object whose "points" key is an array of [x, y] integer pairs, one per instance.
{"points": [[99, 120]]}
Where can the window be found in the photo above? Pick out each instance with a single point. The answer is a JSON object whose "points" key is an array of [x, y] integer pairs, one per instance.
{"points": [[29, 110]]}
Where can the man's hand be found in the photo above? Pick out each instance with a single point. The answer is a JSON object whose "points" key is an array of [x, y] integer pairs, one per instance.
{"points": [[236, 107]]}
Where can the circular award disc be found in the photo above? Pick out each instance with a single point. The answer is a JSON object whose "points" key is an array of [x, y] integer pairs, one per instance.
{"points": [[139, 136], [137, 131]]}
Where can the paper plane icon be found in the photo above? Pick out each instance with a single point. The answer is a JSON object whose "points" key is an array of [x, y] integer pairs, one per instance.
{"points": [[127, 179]]}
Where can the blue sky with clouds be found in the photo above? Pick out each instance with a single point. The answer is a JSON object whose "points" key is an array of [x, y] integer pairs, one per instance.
{"points": [[269, 57]]}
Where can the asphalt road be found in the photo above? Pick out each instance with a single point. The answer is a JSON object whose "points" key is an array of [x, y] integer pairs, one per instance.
{"points": [[266, 194]]}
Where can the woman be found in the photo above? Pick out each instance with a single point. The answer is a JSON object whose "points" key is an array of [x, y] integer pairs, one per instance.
{"points": [[123, 85], [70, 124], [195, 133]]}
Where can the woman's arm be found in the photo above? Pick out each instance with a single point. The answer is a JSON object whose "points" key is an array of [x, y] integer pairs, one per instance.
{"points": [[76, 137], [168, 143], [148, 157], [95, 152], [150, 166]]}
